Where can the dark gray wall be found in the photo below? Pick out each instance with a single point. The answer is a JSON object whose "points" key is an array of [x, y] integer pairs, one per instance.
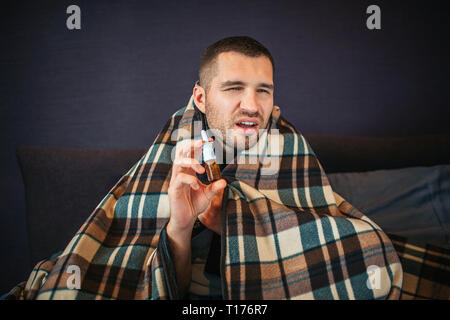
{"points": [[113, 83]]}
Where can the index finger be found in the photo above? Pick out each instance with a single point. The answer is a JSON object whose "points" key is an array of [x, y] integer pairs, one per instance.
{"points": [[189, 149]]}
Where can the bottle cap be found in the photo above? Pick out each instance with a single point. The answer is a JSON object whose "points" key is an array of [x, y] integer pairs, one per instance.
{"points": [[208, 148]]}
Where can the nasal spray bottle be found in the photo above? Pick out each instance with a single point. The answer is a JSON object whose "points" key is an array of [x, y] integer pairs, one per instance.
{"points": [[212, 168]]}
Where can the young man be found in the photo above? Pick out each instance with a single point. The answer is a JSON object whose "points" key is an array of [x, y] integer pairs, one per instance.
{"points": [[236, 97]]}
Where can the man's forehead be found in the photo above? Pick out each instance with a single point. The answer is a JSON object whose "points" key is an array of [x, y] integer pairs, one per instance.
{"points": [[234, 66]]}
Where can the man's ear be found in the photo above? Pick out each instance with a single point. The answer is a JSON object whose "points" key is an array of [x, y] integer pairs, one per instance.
{"points": [[199, 97]]}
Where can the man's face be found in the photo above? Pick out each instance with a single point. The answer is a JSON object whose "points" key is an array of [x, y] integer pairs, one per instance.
{"points": [[241, 91]]}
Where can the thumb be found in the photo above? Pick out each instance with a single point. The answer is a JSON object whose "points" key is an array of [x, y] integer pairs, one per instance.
{"points": [[215, 188]]}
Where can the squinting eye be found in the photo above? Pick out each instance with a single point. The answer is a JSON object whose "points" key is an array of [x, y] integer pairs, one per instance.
{"points": [[262, 90], [235, 88]]}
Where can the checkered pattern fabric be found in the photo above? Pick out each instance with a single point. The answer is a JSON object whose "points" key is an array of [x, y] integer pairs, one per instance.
{"points": [[426, 269]]}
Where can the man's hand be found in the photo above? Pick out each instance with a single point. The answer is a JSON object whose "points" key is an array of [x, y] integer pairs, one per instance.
{"points": [[188, 196], [212, 216]]}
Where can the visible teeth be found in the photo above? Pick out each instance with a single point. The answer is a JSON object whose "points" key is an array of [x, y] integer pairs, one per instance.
{"points": [[248, 123]]}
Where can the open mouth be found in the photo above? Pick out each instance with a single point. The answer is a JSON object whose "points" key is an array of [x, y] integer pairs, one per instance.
{"points": [[246, 124]]}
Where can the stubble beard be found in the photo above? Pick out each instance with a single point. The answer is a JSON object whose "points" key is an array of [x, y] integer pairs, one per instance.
{"points": [[228, 141]]}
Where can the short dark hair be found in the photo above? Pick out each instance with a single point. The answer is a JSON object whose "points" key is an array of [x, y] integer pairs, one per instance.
{"points": [[241, 44]]}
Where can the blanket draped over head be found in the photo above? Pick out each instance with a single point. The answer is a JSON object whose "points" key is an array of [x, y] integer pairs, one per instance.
{"points": [[285, 233]]}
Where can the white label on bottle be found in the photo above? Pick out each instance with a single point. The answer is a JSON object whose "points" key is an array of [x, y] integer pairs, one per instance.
{"points": [[208, 151]]}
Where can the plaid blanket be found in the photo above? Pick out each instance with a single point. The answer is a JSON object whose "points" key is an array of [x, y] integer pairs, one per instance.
{"points": [[285, 233], [426, 269]]}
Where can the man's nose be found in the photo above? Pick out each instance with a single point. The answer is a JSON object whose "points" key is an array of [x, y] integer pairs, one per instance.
{"points": [[249, 102]]}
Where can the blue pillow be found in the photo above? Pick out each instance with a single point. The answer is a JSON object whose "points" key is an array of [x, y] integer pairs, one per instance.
{"points": [[412, 202]]}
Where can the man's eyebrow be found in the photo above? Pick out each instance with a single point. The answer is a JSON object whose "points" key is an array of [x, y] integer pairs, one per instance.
{"points": [[266, 85], [241, 83], [231, 83]]}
